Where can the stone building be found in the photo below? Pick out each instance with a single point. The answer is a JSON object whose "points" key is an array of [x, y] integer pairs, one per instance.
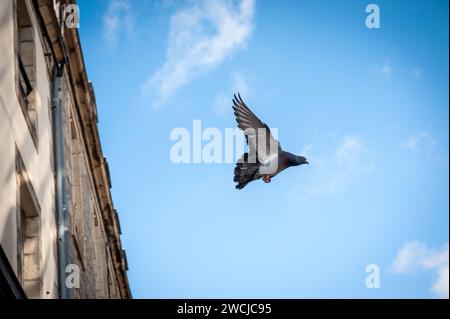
{"points": [[59, 231]]}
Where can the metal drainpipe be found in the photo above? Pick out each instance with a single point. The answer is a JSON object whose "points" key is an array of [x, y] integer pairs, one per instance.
{"points": [[61, 184]]}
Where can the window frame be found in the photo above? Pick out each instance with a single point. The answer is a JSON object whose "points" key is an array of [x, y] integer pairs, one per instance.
{"points": [[24, 229], [24, 96]]}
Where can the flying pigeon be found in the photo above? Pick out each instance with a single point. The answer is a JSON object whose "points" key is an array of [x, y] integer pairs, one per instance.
{"points": [[263, 160]]}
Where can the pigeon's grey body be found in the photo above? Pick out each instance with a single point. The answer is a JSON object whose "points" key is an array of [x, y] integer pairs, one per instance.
{"points": [[248, 167]]}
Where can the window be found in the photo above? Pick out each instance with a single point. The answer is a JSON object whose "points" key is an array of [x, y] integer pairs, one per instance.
{"points": [[28, 234], [26, 66]]}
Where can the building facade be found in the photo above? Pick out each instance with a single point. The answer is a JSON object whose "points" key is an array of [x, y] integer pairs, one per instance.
{"points": [[59, 230]]}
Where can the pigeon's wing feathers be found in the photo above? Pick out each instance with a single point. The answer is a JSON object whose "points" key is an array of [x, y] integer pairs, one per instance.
{"points": [[252, 126]]}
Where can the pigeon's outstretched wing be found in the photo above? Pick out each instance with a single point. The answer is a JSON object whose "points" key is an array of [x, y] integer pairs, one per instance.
{"points": [[252, 126]]}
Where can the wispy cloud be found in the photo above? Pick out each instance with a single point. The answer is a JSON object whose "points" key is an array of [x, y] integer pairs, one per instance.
{"points": [[117, 20], [417, 141], [333, 173], [416, 256], [349, 161], [350, 150], [422, 143], [202, 34], [239, 83], [385, 70]]}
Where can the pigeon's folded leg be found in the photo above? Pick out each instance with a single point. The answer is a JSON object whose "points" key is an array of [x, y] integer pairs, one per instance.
{"points": [[267, 179]]}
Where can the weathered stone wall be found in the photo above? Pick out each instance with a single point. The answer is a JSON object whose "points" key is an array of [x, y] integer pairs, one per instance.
{"points": [[88, 240], [90, 244], [15, 135]]}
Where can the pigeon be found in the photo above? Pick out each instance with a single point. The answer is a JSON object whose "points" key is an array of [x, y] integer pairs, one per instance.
{"points": [[263, 160]]}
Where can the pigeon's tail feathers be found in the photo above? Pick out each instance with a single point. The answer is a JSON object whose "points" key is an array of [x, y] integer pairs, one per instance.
{"points": [[245, 172]]}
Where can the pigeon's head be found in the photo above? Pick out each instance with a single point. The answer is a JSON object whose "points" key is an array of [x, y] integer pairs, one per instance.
{"points": [[301, 160]]}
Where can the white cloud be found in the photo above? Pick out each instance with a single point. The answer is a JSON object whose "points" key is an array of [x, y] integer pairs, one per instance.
{"points": [[350, 150], [440, 286], [118, 19], [348, 161], [416, 141], [202, 34], [424, 144], [222, 103], [239, 83], [385, 70], [415, 256], [334, 173]]}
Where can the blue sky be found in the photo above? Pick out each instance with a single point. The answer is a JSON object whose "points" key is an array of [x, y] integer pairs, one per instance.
{"points": [[367, 107]]}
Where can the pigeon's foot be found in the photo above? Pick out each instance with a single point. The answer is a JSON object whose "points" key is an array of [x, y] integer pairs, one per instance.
{"points": [[267, 179]]}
